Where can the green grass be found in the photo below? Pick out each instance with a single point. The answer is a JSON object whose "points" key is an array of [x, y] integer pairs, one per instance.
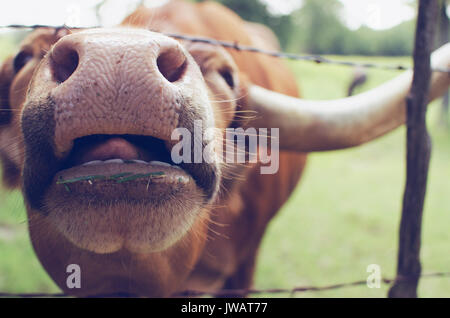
{"points": [[20, 270], [7, 46], [343, 216], [345, 212]]}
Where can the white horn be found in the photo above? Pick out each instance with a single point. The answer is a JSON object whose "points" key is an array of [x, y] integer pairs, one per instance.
{"points": [[307, 125]]}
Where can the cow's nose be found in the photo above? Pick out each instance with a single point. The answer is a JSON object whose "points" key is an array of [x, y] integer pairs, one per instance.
{"points": [[117, 81], [162, 54]]}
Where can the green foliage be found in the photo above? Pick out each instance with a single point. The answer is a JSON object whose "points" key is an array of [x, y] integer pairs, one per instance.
{"points": [[256, 11], [318, 29], [397, 41]]}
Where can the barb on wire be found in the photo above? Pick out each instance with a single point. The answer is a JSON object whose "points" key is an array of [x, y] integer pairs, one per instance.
{"points": [[238, 292], [245, 48]]}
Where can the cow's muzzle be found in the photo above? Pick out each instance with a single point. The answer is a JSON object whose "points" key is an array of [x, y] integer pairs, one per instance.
{"points": [[97, 124]]}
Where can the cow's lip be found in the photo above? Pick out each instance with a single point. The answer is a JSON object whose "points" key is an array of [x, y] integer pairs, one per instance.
{"points": [[120, 159], [112, 181], [106, 208]]}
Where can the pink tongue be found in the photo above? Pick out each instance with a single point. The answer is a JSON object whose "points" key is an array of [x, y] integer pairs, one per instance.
{"points": [[114, 148]]}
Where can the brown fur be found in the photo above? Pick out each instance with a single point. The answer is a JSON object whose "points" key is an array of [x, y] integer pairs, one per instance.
{"points": [[225, 255]]}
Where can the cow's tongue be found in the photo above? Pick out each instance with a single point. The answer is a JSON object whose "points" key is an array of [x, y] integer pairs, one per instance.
{"points": [[113, 148]]}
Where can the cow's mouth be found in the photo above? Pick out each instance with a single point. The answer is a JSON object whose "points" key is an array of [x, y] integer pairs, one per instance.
{"points": [[95, 149], [124, 191], [117, 159]]}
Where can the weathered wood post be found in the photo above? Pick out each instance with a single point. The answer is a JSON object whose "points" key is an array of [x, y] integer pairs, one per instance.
{"points": [[418, 156], [443, 38]]}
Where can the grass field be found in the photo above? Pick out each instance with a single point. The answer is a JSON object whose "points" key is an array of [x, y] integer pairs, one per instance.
{"points": [[344, 214]]}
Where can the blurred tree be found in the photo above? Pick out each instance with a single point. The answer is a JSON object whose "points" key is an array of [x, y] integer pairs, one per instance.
{"points": [[256, 11], [98, 7], [319, 28], [321, 31]]}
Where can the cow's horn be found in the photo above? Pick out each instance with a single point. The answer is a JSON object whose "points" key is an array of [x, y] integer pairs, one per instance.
{"points": [[307, 125]]}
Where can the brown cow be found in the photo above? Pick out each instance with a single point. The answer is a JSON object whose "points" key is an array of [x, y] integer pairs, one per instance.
{"points": [[104, 102]]}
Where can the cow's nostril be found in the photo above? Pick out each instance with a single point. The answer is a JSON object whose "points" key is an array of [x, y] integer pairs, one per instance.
{"points": [[172, 65], [64, 63]]}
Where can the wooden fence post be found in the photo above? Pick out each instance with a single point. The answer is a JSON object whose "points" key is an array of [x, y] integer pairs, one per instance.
{"points": [[418, 156], [443, 38]]}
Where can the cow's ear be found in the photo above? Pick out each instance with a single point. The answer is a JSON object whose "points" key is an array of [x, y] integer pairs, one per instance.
{"points": [[6, 76], [10, 170]]}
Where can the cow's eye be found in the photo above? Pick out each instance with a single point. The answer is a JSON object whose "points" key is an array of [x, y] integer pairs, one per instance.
{"points": [[228, 77], [21, 59]]}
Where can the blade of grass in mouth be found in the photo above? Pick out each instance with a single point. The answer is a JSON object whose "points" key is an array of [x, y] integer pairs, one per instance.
{"points": [[120, 177]]}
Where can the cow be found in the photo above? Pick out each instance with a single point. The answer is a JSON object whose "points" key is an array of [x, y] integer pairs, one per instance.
{"points": [[359, 77], [81, 110]]}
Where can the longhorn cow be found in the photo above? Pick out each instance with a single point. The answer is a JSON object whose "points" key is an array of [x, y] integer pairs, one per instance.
{"points": [[86, 131]]}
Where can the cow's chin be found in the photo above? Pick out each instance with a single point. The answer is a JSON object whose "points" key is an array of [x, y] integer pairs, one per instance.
{"points": [[103, 209]]}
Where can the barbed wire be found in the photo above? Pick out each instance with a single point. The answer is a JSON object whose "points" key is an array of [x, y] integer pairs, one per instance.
{"points": [[240, 292], [292, 56], [318, 59]]}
